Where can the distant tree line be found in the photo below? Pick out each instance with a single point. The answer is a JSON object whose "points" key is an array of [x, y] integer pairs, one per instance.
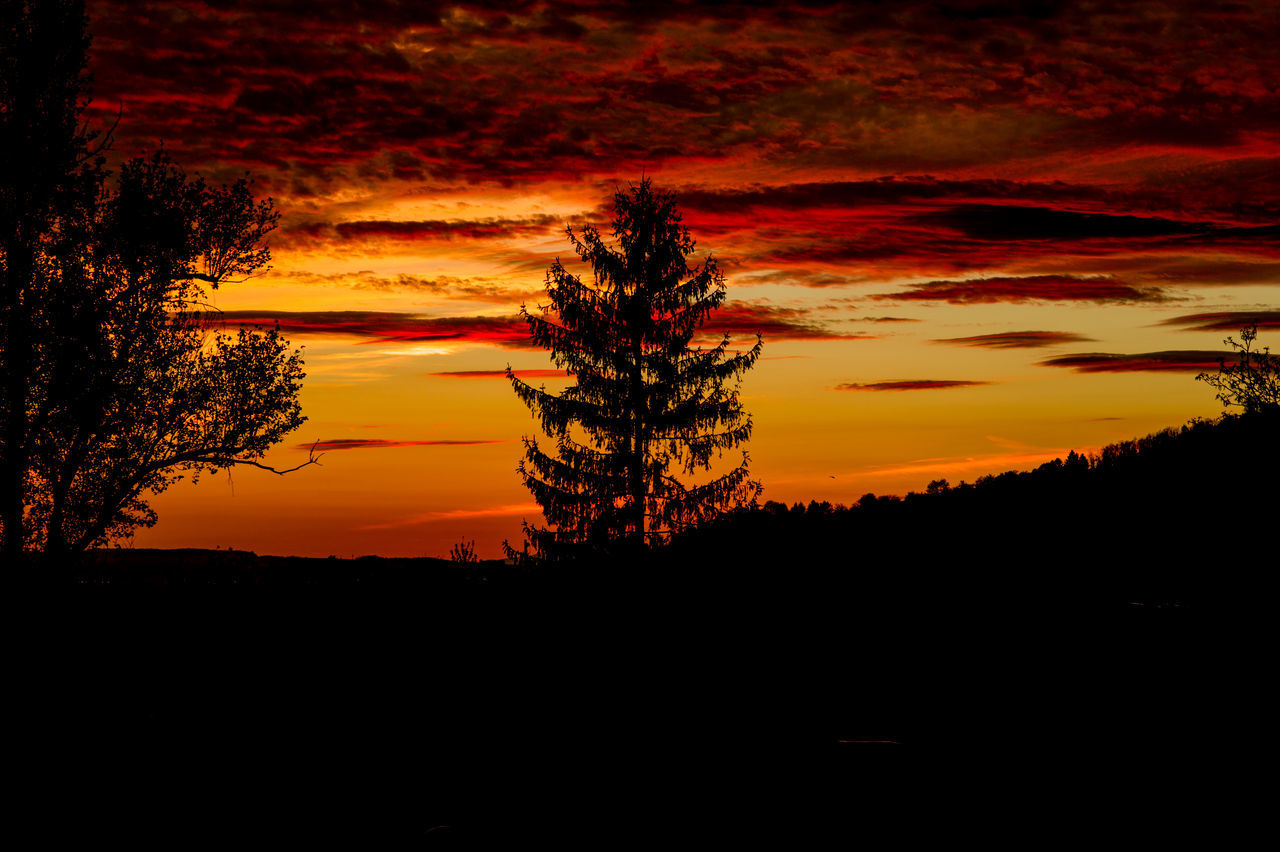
{"points": [[1176, 513]]}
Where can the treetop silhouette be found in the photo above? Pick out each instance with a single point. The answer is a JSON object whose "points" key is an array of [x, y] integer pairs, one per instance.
{"points": [[114, 386], [645, 401], [1253, 382]]}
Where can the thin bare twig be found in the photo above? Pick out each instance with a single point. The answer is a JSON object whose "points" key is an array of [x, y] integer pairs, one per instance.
{"points": [[311, 459]]}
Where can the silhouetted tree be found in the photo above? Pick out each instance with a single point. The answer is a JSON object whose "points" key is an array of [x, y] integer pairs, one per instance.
{"points": [[114, 385], [1253, 382], [464, 553], [644, 399]]}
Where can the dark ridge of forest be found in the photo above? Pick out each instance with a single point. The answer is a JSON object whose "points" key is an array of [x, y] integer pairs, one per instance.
{"points": [[1170, 517], [1184, 515]]}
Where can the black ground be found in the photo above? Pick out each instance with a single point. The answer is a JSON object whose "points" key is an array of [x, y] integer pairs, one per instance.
{"points": [[1082, 615]]}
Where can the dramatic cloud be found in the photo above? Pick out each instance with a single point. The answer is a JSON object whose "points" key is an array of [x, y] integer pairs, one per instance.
{"points": [[931, 158], [735, 318], [373, 444], [910, 385], [1049, 288], [1014, 222], [324, 92], [440, 286], [378, 231], [1016, 339], [813, 144], [1227, 320], [1173, 361]]}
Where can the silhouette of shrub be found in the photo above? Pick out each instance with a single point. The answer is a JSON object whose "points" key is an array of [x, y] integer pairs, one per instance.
{"points": [[1253, 382]]}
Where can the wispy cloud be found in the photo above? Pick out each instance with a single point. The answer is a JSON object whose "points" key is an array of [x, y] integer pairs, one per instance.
{"points": [[413, 232], [508, 510], [389, 327], [1042, 288], [1226, 320], [374, 444], [1169, 361], [981, 465], [909, 385], [1016, 339]]}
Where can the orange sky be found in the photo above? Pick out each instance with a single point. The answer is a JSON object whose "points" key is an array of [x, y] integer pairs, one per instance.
{"points": [[974, 236]]}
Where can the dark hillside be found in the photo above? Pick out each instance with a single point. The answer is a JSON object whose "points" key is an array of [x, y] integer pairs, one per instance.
{"points": [[1088, 609], [1187, 515]]}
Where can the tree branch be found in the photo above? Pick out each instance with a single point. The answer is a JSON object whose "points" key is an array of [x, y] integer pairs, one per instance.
{"points": [[311, 459]]}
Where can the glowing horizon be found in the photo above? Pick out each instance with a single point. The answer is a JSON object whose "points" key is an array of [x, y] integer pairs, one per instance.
{"points": [[974, 238]]}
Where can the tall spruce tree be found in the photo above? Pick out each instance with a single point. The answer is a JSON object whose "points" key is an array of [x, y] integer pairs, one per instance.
{"points": [[646, 399]]}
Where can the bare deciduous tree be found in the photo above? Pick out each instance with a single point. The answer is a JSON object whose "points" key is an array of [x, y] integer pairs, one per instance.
{"points": [[1252, 383]]}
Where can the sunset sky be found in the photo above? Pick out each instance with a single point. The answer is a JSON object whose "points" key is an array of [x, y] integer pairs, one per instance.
{"points": [[975, 235]]}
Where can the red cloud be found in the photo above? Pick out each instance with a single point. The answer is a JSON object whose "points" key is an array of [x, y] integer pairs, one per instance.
{"points": [[1016, 339], [775, 323], [358, 444], [432, 229], [1025, 289], [1227, 320], [511, 92], [772, 322], [1173, 361], [388, 327], [908, 385]]}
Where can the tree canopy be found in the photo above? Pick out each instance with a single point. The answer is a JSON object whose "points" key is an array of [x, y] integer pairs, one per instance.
{"points": [[646, 399], [115, 384]]}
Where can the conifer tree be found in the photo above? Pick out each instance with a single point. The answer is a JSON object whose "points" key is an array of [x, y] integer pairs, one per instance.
{"points": [[646, 402]]}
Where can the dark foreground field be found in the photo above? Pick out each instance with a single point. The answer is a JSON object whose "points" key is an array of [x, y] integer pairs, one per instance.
{"points": [[370, 717], [1079, 615]]}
